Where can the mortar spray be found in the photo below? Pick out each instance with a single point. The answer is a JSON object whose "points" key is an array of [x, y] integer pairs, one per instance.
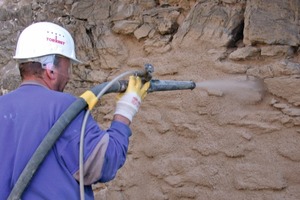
{"points": [[248, 89]]}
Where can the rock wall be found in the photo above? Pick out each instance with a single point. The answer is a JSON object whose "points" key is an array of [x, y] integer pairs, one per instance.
{"points": [[199, 144]]}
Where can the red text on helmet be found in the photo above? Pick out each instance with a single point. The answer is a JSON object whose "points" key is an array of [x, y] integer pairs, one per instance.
{"points": [[55, 40]]}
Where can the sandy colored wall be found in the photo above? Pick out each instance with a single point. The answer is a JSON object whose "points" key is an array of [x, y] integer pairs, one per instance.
{"points": [[226, 141]]}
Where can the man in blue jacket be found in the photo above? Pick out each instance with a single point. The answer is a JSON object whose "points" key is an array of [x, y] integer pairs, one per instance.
{"points": [[45, 52]]}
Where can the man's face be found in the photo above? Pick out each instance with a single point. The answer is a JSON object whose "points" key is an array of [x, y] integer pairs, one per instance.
{"points": [[62, 73]]}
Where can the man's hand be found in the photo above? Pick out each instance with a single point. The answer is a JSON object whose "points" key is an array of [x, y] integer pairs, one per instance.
{"points": [[129, 102]]}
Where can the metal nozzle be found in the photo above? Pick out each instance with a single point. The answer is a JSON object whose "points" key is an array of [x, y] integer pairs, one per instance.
{"points": [[162, 85], [167, 85], [158, 85]]}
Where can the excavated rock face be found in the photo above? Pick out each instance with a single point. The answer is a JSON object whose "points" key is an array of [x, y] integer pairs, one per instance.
{"points": [[219, 141]]}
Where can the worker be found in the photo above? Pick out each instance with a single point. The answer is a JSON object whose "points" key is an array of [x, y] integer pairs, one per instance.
{"points": [[45, 53]]}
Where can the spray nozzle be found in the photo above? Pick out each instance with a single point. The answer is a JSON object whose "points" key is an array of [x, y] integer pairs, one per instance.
{"points": [[158, 85]]}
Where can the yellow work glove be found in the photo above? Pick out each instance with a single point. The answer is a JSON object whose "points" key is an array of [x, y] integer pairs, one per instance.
{"points": [[129, 102]]}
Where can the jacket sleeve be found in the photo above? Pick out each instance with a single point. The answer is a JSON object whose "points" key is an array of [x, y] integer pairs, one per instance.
{"points": [[115, 155], [104, 150]]}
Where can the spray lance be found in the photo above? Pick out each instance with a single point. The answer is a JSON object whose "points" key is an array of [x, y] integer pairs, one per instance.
{"points": [[88, 100], [146, 75]]}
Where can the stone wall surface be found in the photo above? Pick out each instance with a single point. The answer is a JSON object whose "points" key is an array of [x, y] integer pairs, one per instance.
{"points": [[208, 143]]}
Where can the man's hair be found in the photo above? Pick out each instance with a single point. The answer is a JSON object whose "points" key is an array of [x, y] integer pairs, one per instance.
{"points": [[31, 68], [34, 68]]}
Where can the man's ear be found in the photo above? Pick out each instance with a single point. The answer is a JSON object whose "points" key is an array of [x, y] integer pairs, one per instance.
{"points": [[50, 74]]}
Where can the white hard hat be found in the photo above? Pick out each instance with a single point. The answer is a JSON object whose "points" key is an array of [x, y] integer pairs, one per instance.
{"points": [[45, 38]]}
